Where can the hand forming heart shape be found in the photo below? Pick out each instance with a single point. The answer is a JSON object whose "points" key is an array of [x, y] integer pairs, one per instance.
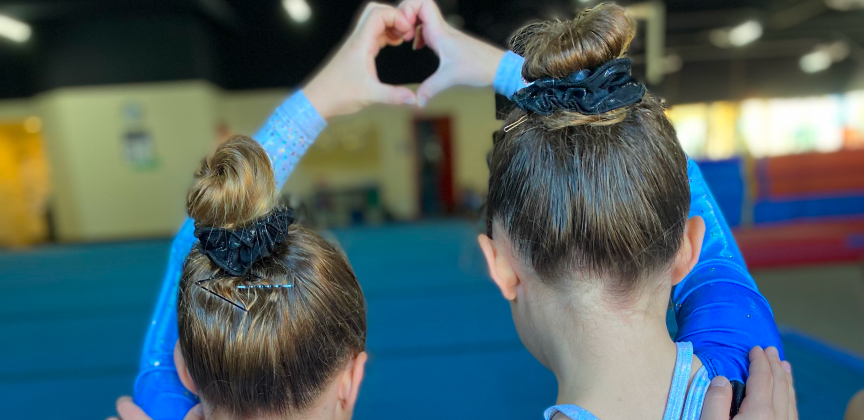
{"points": [[349, 81]]}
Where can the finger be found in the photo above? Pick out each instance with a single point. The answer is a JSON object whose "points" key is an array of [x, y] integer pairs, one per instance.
{"points": [[419, 41], [781, 386], [424, 12], [127, 409], [718, 400], [410, 8], [195, 413], [393, 95], [392, 38], [793, 400], [435, 84], [760, 384], [385, 18]]}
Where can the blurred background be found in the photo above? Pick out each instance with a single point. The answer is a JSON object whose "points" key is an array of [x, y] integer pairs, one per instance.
{"points": [[106, 108]]}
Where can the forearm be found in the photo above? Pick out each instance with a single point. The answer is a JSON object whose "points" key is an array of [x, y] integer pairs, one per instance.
{"points": [[718, 306], [285, 136], [289, 132]]}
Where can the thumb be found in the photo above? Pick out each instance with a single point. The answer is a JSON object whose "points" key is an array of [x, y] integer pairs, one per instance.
{"points": [[433, 85], [393, 95], [127, 410], [195, 413], [718, 400]]}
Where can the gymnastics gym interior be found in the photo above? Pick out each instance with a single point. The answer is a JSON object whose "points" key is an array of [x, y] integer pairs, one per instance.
{"points": [[107, 107]]}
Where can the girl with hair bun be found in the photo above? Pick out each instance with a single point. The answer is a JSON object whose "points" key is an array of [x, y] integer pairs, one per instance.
{"points": [[596, 217], [257, 298], [258, 317]]}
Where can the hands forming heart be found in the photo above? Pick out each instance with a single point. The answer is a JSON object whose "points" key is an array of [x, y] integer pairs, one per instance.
{"points": [[349, 80]]}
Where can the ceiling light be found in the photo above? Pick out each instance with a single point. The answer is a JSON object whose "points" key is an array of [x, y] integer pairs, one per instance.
{"points": [[815, 61], [837, 50], [299, 10], [845, 5], [745, 33], [14, 30], [823, 56]]}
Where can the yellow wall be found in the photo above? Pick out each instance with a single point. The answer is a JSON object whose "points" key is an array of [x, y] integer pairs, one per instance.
{"points": [[98, 195]]}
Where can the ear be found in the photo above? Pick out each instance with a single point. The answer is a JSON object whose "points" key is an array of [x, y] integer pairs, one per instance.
{"points": [[349, 383], [182, 370], [691, 248], [500, 269]]}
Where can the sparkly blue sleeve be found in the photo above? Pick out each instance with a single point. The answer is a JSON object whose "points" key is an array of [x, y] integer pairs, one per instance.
{"points": [[718, 307], [508, 77], [285, 136]]}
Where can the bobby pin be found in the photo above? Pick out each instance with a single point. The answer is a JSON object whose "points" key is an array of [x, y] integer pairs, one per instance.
{"points": [[237, 305], [264, 286], [516, 123]]}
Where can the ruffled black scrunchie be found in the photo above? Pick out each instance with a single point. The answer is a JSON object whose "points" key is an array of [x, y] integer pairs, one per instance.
{"points": [[235, 250], [587, 92]]}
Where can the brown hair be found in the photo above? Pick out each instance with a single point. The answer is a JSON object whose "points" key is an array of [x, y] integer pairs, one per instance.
{"points": [[276, 357], [606, 194]]}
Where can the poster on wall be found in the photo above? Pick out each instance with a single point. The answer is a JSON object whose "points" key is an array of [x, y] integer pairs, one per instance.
{"points": [[138, 144]]}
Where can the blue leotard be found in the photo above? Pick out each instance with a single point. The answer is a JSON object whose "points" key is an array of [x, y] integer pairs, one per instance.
{"points": [[718, 307]]}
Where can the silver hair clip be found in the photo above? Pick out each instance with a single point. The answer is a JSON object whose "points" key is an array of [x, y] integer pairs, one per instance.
{"points": [[516, 123], [237, 305], [200, 283], [264, 286]]}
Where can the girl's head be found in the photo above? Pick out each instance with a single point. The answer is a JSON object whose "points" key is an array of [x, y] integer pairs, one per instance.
{"points": [[587, 205], [282, 351]]}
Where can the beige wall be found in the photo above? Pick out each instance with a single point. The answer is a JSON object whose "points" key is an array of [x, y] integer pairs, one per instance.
{"points": [[99, 195], [473, 116]]}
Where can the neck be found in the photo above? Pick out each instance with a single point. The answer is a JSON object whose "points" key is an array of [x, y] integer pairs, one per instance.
{"points": [[616, 363]]}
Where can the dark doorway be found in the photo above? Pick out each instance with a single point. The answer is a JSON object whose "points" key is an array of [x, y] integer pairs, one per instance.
{"points": [[435, 165]]}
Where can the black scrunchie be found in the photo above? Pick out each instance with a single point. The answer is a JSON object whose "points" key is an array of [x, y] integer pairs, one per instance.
{"points": [[586, 92], [235, 250]]}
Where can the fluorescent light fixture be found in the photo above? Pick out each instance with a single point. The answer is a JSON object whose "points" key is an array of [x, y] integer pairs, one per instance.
{"points": [[14, 30], [299, 10], [815, 61], [745, 33], [823, 56], [845, 5]]}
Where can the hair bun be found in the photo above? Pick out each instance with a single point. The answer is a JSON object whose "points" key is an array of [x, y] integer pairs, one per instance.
{"points": [[233, 187], [557, 49]]}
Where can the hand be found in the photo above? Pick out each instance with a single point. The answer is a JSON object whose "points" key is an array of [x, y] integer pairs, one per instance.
{"points": [[463, 60], [349, 80], [127, 410], [770, 391]]}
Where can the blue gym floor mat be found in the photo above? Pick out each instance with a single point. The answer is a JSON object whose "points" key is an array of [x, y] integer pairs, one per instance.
{"points": [[441, 340]]}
